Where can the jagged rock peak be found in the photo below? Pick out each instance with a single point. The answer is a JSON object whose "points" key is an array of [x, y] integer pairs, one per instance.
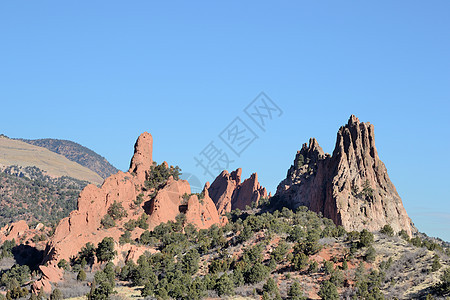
{"points": [[313, 151], [351, 187], [228, 193], [236, 175], [142, 158], [356, 138], [353, 120]]}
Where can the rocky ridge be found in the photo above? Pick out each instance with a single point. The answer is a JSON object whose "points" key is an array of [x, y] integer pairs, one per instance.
{"points": [[84, 224], [351, 187], [228, 193]]}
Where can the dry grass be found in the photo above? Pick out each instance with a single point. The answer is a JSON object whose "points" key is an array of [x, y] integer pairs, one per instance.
{"points": [[409, 276], [19, 153]]}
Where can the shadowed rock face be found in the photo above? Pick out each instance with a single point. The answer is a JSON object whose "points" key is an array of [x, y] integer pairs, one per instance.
{"points": [[228, 193], [351, 187]]}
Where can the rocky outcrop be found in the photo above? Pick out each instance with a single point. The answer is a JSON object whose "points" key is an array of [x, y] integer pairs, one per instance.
{"points": [[13, 230], [168, 203], [248, 192], [228, 193], [351, 187], [84, 224], [142, 158], [222, 189], [20, 232]]}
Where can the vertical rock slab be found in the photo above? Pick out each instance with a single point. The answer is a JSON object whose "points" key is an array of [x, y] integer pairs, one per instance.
{"points": [[228, 193]]}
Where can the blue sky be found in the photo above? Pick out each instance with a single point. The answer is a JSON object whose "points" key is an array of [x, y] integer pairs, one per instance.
{"points": [[100, 73]]}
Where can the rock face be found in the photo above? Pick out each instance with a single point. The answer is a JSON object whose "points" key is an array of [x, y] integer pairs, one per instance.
{"points": [[167, 203], [84, 224], [351, 187], [228, 193], [142, 158], [13, 231], [203, 212]]}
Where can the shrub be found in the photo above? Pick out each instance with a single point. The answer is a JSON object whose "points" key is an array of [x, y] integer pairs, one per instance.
{"points": [[344, 265], [190, 261], [328, 291], [365, 238], [17, 273], [444, 285], [125, 238], [370, 254], [352, 236], [295, 292], [116, 211], [337, 278], [103, 284], [310, 247], [105, 250], [16, 293], [258, 272], [280, 251], [416, 241], [6, 248], [81, 275], [313, 267], [387, 230], [403, 234], [299, 261], [270, 286], [56, 295], [436, 264], [107, 222], [139, 199], [224, 285], [86, 255], [146, 238], [367, 190], [328, 267], [159, 174], [142, 221], [130, 225], [63, 264]]}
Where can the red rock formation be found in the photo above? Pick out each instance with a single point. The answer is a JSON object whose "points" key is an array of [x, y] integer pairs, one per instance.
{"points": [[21, 233], [351, 187], [248, 192], [142, 158], [228, 193], [13, 230], [166, 205], [222, 189], [202, 212], [84, 224]]}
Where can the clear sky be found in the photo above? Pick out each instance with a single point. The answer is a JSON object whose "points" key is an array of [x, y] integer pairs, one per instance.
{"points": [[101, 72]]}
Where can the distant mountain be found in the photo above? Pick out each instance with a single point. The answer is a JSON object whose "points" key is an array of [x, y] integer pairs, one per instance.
{"points": [[18, 153], [26, 193], [77, 153]]}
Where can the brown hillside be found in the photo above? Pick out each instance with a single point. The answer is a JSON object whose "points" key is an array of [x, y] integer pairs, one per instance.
{"points": [[13, 152]]}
